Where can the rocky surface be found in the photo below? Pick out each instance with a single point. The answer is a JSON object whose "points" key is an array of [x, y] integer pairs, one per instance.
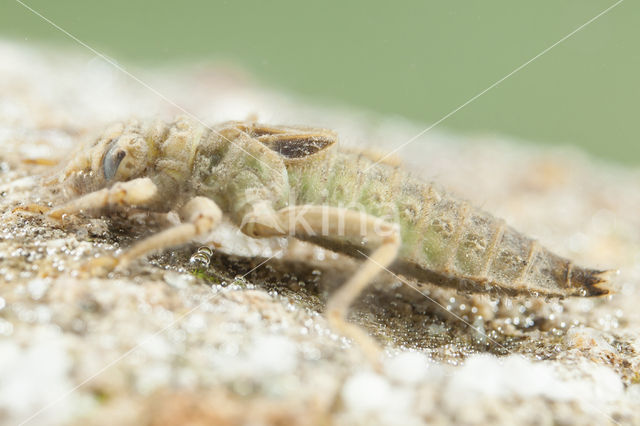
{"points": [[244, 341]]}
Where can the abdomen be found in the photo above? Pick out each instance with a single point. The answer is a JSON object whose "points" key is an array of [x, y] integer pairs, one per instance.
{"points": [[445, 240], [457, 245]]}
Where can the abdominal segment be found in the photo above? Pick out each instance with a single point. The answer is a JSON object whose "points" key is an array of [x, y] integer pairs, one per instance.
{"points": [[466, 248], [445, 240]]}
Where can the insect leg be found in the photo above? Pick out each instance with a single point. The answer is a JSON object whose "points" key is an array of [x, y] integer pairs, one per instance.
{"points": [[338, 304], [131, 193], [200, 215], [334, 222]]}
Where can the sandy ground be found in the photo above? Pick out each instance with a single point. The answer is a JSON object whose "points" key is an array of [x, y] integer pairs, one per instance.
{"points": [[245, 342]]}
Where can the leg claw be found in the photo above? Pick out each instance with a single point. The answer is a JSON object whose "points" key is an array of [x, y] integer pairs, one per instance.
{"points": [[32, 208]]}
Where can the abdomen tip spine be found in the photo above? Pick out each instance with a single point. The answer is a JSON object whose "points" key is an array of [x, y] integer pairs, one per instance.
{"points": [[592, 282]]}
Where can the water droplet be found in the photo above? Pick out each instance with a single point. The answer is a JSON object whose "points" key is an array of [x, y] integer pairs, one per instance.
{"points": [[37, 288]]}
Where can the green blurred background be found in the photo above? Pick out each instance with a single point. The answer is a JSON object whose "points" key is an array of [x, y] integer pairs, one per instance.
{"points": [[419, 60]]}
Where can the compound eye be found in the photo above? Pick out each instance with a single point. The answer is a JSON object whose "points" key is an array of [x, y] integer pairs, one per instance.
{"points": [[111, 161]]}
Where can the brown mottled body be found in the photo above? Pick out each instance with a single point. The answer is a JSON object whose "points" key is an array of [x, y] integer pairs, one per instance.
{"points": [[295, 181], [238, 165], [445, 240]]}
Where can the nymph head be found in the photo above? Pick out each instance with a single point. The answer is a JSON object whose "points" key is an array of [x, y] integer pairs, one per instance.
{"points": [[122, 153]]}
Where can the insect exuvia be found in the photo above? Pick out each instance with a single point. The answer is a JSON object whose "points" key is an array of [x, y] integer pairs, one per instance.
{"points": [[296, 181]]}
